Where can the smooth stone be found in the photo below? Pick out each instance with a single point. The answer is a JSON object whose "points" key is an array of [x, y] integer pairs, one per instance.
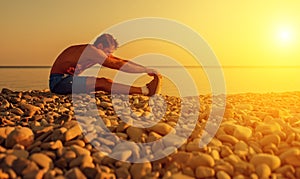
{"points": [[61, 163], [19, 165], [17, 111], [228, 138], [201, 159], [136, 134], [122, 126], [267, 128], [204, 172], [263, 170], [121, 155], [69, 155], [193, 146], [79, 150], [78, 142], [122, 172], [182, 157], [74, 173], [161, 128], [90, 172], [35, 174], [81, 160], [291, 156], [18, 153], [174, 140], [52, 145], [180, 176], [9, 159], [268, 139], [30, 109], [42, 160], [98, 157], [21, 135], [188, 171], [271, 160], [30, 168], [105, 141], [105, 175], [5, 131], [222, 175], [242, 132], [140, 170], [134, 148], [72, 133], [153, 136]]}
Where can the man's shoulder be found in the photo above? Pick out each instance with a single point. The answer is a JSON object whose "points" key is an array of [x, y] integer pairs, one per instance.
{"points": [[75, 48], [78, 46]]}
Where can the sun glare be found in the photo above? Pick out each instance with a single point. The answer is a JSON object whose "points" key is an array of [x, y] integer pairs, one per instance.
{"points": [[285, 36]]}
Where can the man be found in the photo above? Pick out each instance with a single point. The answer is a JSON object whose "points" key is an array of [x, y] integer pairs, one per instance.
{"points": [[75, 59]]}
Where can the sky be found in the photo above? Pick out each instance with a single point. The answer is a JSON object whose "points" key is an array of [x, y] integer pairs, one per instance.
{"points": [[240, 33]]}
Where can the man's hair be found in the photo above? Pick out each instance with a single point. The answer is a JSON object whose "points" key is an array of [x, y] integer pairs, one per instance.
{"points": [[106, 40]]}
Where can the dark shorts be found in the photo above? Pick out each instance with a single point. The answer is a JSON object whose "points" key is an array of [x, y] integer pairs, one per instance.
{"points": [[66, 84]]}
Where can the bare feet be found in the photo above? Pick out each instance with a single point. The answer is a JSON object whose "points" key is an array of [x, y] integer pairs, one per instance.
{"points": [[152, 85]]}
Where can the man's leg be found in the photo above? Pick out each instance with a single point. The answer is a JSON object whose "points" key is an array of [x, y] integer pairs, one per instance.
{"points": [[97, 84]]}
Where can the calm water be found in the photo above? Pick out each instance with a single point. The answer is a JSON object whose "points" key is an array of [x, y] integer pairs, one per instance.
{"points": [[238, 80]]}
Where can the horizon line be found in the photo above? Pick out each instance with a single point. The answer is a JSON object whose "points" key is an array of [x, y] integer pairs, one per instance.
{"points": [[186, 66]]}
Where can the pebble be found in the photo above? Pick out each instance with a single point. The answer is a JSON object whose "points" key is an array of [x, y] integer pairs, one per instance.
{"points": [[123, 172], [201, 159], [161, 128], [75, 173], [135, 134], [258, 137], [21, 135], [9, 159], [90, 172], [19, 165], [79, 150], [291, 156], [5, 131], [182, 157], [42, 160], [52, 145], [222, 175], [271, 160], [18, 153], [69, 155], [140, 170], [81, 160], [228, 138], [204, 172], [271, 138], [72, 133], [180, 176], [121, 155], [263, 170], [17, 111], [242, 132]]}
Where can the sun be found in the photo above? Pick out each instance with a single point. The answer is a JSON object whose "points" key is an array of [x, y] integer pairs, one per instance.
{"points": [[284, 36]]}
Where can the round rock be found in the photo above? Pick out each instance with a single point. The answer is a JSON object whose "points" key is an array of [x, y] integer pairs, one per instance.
{"points": [[21, 135]]}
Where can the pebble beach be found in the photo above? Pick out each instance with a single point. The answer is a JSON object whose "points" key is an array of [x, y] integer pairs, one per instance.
{"points": [[43, 136]]}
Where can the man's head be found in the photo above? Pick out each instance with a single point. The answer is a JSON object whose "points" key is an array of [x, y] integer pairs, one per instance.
{"points": [[107, 43]]}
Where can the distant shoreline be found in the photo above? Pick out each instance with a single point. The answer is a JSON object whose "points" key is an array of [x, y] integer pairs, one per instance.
{"points": [[187, 66], [25, 66]]}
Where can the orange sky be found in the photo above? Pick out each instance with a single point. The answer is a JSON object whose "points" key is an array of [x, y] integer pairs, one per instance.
{"points": [[239, 32]]}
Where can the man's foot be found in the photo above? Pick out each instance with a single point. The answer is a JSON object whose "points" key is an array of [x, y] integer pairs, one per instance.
{"points": [[153, 85]]}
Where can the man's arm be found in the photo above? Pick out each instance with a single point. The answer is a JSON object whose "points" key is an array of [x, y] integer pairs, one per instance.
{"points": [[126, 66], [92, 55]]}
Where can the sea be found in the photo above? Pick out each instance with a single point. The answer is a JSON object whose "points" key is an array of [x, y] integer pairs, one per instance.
{"points": [[187, 80]]}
